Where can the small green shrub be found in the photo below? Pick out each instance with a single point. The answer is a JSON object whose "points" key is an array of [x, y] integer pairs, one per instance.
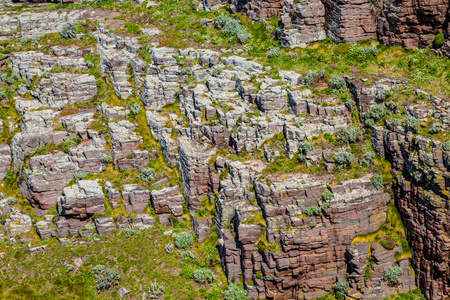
{"points": [[274, 52], [107, 159], [376, 113], [235, 292], [343, 159], [341, 289], [203, 275], [313, 211], [315, 76], [135, 108], [327, 195], [368, 158], [217, 71], [129, 232], [384, 94], [147, 174], [439, 40], [155, 290], [377, 181], [11, 201], [435, 128], [169, 248], [105, 277], [79, 176], [183, 240], [68, 31], [232, 28], [187, 256], [338, 83], [305, 146], [446, 145], [349, 135], [392, 275], [411, 124]]}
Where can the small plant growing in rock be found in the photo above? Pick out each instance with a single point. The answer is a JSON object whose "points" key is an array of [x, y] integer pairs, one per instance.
{"points": [[34, 40], [377, 181], [9, 79], [327, 195], [274, 52], [446, 145], [293, 55], [107, 158], [70, 268], [232, 27], [235, 292], [349, 135], [312, 224], [349, 103], [79, 176], [376, 113], [203, 275], [214, 122], [105, 277], [305, 146], [68, 31], [61, 106], [392, 275], [155, 290], [313, 211], [384, 94], [343, 159], [191, 85], [411, 124], [298, 123], [183, 240], [217, 71], [129, 232], [186, 71], [24, 40], [147, 174], [11, 201], [90, 226], [315, 76], [169, 248], [435, 128], [338, 83], [135, 108], [341, 289], [368, 158], [439, 40], [187, 255], [89, 64]]}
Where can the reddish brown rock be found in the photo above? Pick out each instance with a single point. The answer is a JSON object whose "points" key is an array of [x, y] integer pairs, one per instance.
{"points": [[412, 24]]}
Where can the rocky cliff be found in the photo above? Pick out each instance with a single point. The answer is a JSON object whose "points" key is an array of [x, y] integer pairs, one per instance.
{"points": [[307, 173]]}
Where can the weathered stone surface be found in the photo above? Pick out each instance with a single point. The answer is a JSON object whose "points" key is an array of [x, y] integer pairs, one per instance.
{"points": [[194, 168], [28, 64], [45, 229], [168, 200], [303, 23], [257, 10], [412, 24], [125, 143], [113, 194], [5, 160], [17, 223], [59, 89], [82, 200], [136, 197], [143, 222], [350, 21], [105, 225]]}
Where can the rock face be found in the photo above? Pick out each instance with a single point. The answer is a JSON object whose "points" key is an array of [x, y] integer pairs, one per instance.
{"points": [[412, 24], [350, 21], [168, 200], [303, 23], [64, 88], [17, 223], [257, 10], [5, 160], [125, 143], [136, 197], [82, 200]]}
